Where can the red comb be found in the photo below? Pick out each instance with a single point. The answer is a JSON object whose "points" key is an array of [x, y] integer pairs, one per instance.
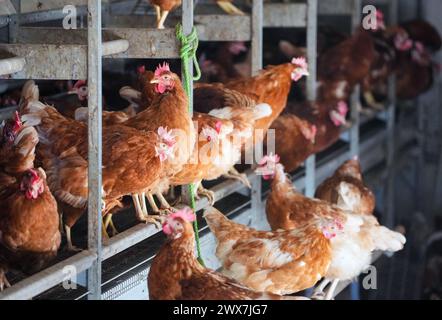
{"points": [[18, 123], [379, 14], [186, 214], [79, 84], [34, 174], [218, 126], [161, 69], [141, 69]]}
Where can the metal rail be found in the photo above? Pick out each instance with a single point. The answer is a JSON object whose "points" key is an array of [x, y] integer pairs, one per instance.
{"points": [[312, 31], [95, 202]]}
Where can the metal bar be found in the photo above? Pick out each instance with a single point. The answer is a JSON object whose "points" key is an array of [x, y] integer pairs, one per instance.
{"points": [[6, 8], [48, 278], [292, 15], [95, 145], [256, 27], [11, 65], [114, 47], [390, 145], [256, 32], [187, 22], [43, 61], [354, 99], [336, 7], [46, 5], [13, 23], [41, 16], [312, 30]]}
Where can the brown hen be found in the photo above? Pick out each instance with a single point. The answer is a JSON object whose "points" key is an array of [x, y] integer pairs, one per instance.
{"points": [[175, 273]]}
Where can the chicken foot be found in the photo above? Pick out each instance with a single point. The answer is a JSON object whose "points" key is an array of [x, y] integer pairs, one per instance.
{"points": [[200, 190], [319, 294], [331, 290], [70, 246], [230, 8], [107, 222], [234, 174], [162, 19], [166, 208], [4, 283], [141, 209], [371, 101]]}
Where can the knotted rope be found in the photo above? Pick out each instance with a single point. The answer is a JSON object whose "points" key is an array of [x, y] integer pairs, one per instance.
{"points": [[189, 45]]}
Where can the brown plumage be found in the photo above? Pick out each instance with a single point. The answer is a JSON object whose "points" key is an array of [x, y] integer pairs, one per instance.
{"points": [[175, 274], [343, 66], [271, 86], [351, 253], [130, 162], [420, 30], [281, 262], [350, 175], [29, 221], [287, 209], [294, 139], [307, 128], [217, 152]]}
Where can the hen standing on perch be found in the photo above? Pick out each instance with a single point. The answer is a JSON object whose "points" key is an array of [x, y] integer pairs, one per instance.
{"points": [[352, 253], [175, 273], [162, 8]]}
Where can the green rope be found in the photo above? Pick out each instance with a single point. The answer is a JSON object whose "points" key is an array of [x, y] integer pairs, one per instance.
{"points": [[189, 45]]}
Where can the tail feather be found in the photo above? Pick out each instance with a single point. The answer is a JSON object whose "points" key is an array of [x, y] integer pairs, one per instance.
{"points": [[388, 240], [29, 93]]}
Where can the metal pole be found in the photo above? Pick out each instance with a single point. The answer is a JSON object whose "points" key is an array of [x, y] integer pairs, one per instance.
{"points": [[257, 38], [14, 22], [391, 113], [312, 29], [187, 22], [355, 122], [257, 27], [354, 100], [95, 144]]}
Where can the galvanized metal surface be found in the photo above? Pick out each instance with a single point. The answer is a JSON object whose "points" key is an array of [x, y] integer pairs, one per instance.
{"points": [[11, 65], [355, 11], [391, 119], [43, 61], [6, 8], [256, 61], [336, 7], [50, 277], [285, 15], [312, 30], [46, 5], [95, 202]]}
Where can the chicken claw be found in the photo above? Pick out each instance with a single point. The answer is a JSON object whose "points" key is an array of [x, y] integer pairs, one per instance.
{"points": [[4, 283], [70, 247], [234, 174], [371, 101], [319, 294], [154, 219], [210, 195]]}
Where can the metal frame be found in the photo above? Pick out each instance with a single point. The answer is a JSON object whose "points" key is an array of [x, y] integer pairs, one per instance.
{"points": [[250, 29]]}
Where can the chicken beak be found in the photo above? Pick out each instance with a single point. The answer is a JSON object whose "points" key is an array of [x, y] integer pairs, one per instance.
{"points": [[155, 81]]}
